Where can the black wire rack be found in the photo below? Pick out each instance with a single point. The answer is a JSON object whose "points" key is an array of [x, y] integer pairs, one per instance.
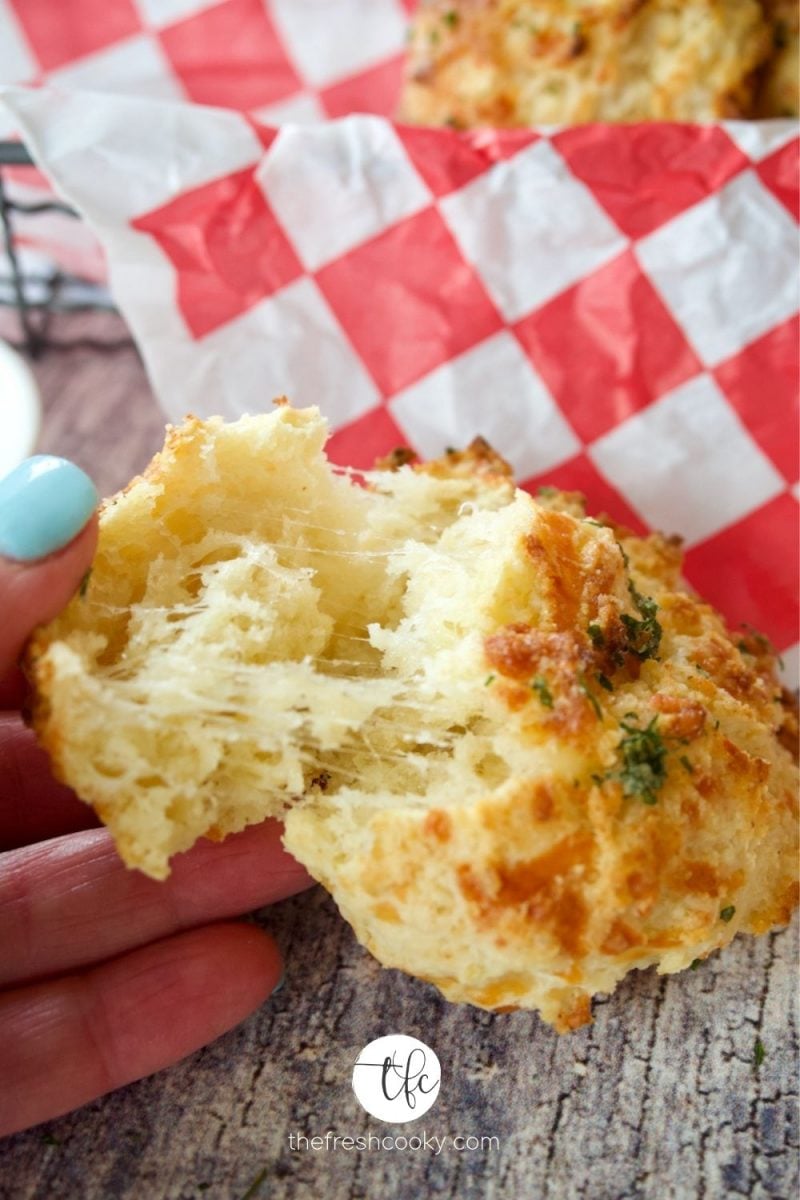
{"points": [[38, 295]]}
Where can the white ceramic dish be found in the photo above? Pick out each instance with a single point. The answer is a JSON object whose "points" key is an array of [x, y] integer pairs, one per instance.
{"points": [[20, 410]]}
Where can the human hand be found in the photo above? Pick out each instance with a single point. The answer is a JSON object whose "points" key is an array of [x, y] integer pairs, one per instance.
{"points": [[105, 975]]}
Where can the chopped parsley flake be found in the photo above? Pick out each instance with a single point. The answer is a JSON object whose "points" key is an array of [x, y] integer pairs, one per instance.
{"points": [[547, 491], [644, 632], [604, 681], [687, 766], [85, 584], [539, 685], [451, 18], [489, 679], [591, 521], [695, 963], [596, 634], [727, 914], [50, 1139], [759, 1053], [643, 769], [595, 703]]}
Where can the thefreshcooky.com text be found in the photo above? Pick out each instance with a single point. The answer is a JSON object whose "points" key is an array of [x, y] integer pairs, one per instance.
{"points": [[393, 1141]]}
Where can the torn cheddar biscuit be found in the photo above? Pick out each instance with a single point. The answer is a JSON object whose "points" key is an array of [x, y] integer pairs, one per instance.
{"points": [[779, 88], [519, 754], [530, 62]]}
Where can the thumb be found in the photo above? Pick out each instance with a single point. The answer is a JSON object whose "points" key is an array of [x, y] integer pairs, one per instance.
{"points": [[47, 540]]}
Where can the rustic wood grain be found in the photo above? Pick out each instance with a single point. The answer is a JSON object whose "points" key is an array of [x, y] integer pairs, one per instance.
{"points": [[661, 1098]]}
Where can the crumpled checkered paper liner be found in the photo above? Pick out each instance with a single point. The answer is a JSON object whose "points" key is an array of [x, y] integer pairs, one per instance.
{"points": [[284, 60], [614, 309]]}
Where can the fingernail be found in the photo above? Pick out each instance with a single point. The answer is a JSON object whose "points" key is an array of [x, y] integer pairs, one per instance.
{"points": [[44, 503]]}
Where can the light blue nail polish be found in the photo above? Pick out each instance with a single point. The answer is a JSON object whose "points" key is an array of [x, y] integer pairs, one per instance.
{"points": [[44, 503]]}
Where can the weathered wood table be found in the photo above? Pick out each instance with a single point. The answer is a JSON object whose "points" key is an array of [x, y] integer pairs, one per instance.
{"points": [[662, 1097]]}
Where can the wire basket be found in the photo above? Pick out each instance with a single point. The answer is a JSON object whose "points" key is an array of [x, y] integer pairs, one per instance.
{"points": [[38, 292]]}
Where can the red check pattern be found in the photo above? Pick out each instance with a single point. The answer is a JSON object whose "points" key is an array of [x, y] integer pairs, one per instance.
{"points": [[239, 54], [227, 249], [253, 71], [468, 296]]}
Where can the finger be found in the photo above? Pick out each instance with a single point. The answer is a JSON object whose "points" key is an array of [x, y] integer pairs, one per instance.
{"points": [[71, 901], [33, 806], [47, 539], [66, 1041]]}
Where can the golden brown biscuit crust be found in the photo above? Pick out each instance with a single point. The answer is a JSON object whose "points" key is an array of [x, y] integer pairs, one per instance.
{"points": [[528, 62]]}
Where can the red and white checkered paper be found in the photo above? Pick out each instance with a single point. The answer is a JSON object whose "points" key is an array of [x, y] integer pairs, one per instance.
{"points": [[614, 309], [284, 60]]}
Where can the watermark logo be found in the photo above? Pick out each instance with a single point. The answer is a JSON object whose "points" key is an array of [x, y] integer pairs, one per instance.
{"points": [[396, 1078]]}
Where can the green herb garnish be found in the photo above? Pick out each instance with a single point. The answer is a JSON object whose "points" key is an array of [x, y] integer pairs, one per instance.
{"points": [[489, 679], [727, 914], [643, 769], [539, 685], [694, 964], [451, 18], [759, 1053], [50, 1139], [687, 766], [604, 681], [596, 634], [547, 491], [85, 584], [595, 703], [644, 632]]}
